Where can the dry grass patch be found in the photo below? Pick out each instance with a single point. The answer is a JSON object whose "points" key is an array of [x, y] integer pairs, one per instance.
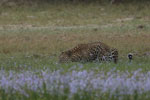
{"points": [[55, 43]]}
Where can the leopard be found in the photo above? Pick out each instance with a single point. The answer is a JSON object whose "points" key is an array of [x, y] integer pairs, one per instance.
{"points": [[88, 52]]}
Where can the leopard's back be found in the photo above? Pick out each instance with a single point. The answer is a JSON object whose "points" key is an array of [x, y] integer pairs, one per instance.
{"points": [[86, 52]]}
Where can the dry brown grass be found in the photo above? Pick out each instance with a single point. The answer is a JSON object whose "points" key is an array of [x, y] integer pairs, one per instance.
{"points": [[50, 44], [52, 28]]}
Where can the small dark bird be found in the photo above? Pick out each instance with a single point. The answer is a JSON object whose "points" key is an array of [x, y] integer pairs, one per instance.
{"points": [[130, 56], [140, 26]]}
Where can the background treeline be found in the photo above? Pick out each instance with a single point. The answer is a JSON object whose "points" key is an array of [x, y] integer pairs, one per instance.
{"points": [[14, 2]]}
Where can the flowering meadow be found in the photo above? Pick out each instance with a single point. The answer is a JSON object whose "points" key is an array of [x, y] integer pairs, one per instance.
{"points": [[32, 36], [74, 85]]}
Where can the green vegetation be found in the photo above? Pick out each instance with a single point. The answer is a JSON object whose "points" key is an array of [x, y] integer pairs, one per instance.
{"points": [[47, 30], [32, 37]]}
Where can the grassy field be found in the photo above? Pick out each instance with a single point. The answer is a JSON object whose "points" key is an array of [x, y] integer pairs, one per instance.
{"points": [[32, 37]]}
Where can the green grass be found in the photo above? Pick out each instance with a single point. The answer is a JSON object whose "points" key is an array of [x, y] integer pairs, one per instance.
{"points": [[37, 62]]}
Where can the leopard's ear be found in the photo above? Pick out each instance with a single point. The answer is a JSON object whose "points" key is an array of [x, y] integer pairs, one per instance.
{"points": [[114, 51], [69, 53]]}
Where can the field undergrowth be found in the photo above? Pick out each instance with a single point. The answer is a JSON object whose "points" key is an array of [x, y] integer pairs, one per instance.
{"points": [[32, 37]]}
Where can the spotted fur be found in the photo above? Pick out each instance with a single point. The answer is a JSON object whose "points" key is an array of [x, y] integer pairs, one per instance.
{"points": [[90, 52]]}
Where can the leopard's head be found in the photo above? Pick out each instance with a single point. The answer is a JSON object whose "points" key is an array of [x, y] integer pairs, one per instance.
{"points": [[114, 54], [65, 57]]}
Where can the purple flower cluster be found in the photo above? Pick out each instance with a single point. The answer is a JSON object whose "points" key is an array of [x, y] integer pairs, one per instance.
{"points": [[112, 82]]}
